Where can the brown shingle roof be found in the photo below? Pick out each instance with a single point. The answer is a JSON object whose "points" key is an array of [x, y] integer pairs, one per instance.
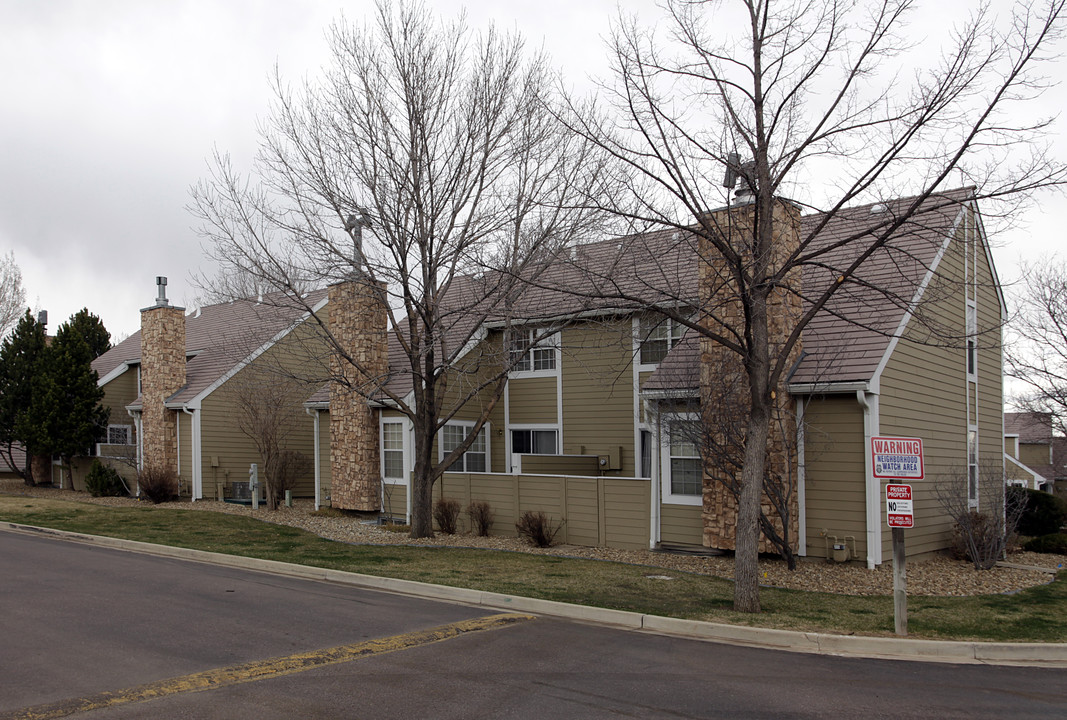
{"points": [[846, 341], [218, 337]]}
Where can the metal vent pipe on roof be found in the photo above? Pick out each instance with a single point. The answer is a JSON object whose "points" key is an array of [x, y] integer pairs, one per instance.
{"points": [[161, 290]]}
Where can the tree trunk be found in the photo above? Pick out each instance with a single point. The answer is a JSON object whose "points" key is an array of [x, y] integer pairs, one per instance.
{"points": [[422, 506], [746, 541], [68, 470], [746, 555]]}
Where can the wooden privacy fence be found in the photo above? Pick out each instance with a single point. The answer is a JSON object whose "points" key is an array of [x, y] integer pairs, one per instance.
{"points": [[596, 511]]}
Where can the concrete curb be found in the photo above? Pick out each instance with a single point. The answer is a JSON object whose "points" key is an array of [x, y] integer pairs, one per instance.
{"points": [[959, 652]]}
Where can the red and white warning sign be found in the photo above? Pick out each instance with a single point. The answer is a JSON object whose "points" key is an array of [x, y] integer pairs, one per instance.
{"points": [[898, 506], [897, 458]]}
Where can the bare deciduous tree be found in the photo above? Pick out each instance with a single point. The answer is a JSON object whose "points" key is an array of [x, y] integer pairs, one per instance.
{"points": [[423, 161], [12, 294], [806, 101], [1037, 355], [982, 535], [268, 410]]}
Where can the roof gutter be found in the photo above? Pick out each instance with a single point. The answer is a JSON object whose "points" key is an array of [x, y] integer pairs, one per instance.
{"points": [[829, 388]]}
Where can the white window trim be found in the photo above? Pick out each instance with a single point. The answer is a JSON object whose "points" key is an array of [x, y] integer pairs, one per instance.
{"points": [[667, 496], [129, 434], [549, 341], [488, 449], [973, 502], [513, 461], [971, 335], [403, 422], [639, 340]]}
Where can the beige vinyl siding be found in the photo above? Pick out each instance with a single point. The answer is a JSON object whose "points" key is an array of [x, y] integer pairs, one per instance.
{"points": [[532, 400], [924, 393], [598, 399], [185, 455], [119, 393], [835, 473], [601, 511], [395, 500], [220, 431], [1034, 456], [681, 525]]}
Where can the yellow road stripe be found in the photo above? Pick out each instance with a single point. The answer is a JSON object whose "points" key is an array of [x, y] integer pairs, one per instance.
{"points": [[264, 669]]}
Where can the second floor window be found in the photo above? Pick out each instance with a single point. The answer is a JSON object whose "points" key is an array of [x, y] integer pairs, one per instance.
{"points": [[530, 355], [657, 336]]}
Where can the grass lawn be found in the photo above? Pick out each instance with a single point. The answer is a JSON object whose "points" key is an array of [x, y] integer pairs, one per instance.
{"points": [[1034, 615]]}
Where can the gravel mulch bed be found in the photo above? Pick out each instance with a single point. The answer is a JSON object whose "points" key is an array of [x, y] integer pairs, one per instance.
{"points": [[937, 576]]}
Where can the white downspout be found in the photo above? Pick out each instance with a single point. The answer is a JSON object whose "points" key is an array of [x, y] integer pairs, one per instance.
{"points": [[195, 453], [802, 501], [654, 490], [869, 403], [318, 470]]}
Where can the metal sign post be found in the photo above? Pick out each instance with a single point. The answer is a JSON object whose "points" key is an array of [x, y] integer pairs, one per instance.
{"points": [[898, 458], [253, 484]]}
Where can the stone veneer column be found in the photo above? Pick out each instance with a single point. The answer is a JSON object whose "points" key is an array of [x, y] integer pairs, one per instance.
{"points": [[723, 383], [162, 375], [357, 317]]}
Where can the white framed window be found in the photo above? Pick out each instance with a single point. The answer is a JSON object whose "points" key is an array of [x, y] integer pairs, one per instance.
{"points": [[119, 435], [530, 355], [972, 467], [393, 451], [646, 454], [655, 338], [972, 340], [534, 441], [476, 458], [681, 469]]}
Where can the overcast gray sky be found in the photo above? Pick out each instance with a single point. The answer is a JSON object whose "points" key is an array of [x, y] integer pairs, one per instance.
{"points": [[111, 108]]}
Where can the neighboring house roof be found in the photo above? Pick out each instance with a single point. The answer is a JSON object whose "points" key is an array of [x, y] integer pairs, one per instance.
{"points": [[1032, 427], [218, 339], [1059, 457]]}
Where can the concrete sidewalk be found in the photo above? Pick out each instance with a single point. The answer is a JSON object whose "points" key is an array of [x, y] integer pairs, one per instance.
{"points": [[959, 652]]}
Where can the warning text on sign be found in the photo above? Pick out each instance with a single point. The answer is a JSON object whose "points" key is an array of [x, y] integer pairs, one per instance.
{"points": [[897, 458]]}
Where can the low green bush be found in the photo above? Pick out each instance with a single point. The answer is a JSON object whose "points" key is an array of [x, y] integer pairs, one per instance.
{"points": [[1044, 514], [104, 481], [1051, 543]]}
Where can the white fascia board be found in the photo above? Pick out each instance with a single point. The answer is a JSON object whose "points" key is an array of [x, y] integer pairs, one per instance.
{"points": [[876, 379], [195, 403], [119, 370]]}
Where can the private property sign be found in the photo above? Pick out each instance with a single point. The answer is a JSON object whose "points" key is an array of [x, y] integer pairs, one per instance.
{"points": [[897, 458], [898, 507]]}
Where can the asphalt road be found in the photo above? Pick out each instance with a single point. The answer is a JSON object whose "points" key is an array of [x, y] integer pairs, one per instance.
{"points": [[82, 627]]}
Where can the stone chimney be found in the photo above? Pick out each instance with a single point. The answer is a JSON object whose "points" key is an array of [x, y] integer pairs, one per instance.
{"points": [[357, 317], [723, 383], [162, 375]]}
